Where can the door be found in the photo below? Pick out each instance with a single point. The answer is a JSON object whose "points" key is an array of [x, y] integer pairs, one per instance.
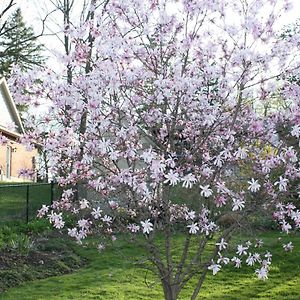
{"points": [[8, 162]]}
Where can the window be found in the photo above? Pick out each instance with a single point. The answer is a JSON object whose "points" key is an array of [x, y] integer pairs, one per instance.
{"points": [[8, 161]]}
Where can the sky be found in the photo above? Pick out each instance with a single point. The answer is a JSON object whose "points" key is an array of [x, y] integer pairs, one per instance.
{"points": [[34, 10]]}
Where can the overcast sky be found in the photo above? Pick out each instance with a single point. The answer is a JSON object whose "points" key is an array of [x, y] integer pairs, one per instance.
{"points": [[34, 10]]}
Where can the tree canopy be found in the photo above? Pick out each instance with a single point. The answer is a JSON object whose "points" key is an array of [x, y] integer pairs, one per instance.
{"points": [[156, 122]]}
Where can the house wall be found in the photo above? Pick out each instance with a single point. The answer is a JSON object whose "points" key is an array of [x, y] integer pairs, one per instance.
{"points": [[20, 159]]}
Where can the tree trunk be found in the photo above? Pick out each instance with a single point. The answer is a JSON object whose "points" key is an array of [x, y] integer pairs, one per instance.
{"points": [[170, 291]]}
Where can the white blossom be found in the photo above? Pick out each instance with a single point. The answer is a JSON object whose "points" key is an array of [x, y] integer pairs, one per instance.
{"points": [[241, 250], [296, 131], [241, 153], [286, 227], [172, 178], [134, 228], [83, 204], [147, 226], [96, 213], [194, 228], [282, 183], [222, 244], [254, 186], [188, 180], [215, 268], [262, 273], [107, 219], [237, 262], [190, 215], [205, 191], [100, 247], [237, 204], [288, 247]]}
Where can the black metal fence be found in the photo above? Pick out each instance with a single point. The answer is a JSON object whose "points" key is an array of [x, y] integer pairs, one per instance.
{"points": [[20, 202]]}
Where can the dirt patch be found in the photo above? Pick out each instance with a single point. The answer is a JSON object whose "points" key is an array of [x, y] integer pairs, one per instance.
{"points": [[50, 256]]}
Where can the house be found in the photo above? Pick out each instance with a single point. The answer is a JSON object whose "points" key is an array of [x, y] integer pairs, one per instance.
{"points": [[13, 155]]}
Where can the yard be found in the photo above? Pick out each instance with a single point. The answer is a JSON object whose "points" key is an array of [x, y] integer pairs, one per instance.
{"points": [[179, 120], [112, 275]]}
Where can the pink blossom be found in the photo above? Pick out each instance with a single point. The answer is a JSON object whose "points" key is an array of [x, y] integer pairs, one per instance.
{"points": [[43, 211], [3, 140]]}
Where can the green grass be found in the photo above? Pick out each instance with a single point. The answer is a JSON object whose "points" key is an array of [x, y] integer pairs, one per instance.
{"points": [[112, 275], [13, 201]]}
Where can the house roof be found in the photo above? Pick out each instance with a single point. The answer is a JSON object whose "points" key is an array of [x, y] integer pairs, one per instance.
{"points": [[9, 112]]}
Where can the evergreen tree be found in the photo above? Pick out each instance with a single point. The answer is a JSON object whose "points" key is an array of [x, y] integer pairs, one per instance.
{"points": [[19, 45]]}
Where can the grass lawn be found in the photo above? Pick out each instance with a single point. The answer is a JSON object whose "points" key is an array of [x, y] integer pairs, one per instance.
{"points": [[111, 275], [13, 200]]}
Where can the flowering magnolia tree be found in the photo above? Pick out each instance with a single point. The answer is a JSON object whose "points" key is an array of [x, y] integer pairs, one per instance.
{"points": [[162, 117]]}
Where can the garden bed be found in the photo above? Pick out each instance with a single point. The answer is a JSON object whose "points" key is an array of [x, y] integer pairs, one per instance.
{"points": [[49, 256]]}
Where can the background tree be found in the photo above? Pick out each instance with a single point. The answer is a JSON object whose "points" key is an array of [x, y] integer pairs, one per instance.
{"points": [[19, 45], [5, 7]]}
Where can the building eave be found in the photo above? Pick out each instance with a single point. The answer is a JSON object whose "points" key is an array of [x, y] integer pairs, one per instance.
{"points": [[9, 133], [13, 107]]}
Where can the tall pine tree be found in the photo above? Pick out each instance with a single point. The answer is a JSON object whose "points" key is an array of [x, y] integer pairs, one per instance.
{"points": [[19, 45]]}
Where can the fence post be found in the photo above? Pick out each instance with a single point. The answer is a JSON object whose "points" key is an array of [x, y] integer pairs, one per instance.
{"points": [[27, 203], [52, 192]]}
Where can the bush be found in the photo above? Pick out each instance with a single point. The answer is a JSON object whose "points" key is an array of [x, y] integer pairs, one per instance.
{"points": [[20, 243], [38, 226], [264, 222], [16, 236], [229, 219]]}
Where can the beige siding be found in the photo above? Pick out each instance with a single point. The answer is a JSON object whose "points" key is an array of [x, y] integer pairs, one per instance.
{"points": [[20, 158]]}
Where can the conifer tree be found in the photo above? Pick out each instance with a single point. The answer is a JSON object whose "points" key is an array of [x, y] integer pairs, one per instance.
{"points": [[19, 45]]}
